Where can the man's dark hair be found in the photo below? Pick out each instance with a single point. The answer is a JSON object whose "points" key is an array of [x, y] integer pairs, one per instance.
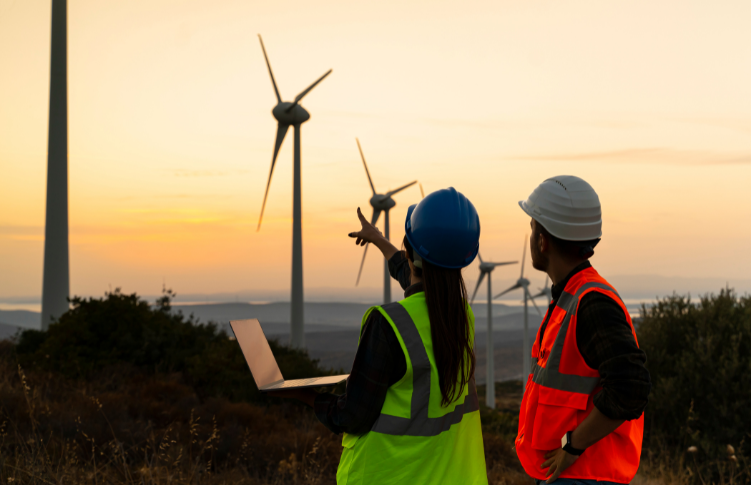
{"points": [[579, 250]]}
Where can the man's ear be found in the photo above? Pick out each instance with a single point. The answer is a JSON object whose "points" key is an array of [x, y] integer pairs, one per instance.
{"points": [[543, 242]]}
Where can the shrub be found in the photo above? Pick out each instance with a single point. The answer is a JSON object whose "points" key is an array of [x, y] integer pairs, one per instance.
{"points": [[699, 357], [101, 333]]}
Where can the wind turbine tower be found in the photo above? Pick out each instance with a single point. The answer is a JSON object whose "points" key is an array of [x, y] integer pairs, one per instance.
{"points": [[523, 283], [291, 114], [486, 268], [56, 276], [380, 203]]}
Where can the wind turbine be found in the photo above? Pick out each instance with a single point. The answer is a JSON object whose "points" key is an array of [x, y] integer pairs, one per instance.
{"points": [[381, 203], [546, 292], [486, 268], [291, 114], [56, 274], [523, 283]]}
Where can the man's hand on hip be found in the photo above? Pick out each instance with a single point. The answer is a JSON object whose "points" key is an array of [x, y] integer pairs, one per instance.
{"points": [[556, 462]]}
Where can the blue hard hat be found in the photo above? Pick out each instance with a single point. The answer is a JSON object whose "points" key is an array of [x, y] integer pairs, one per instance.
{"points": [[444, 229]]}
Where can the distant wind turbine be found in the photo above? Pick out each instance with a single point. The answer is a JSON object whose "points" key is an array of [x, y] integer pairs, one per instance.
{"points": [[523, 283], [546, 292], [291, 114], [381, 203], [486, 268]]}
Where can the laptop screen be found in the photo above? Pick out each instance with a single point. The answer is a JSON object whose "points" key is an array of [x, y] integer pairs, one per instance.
{"points": [[257, 352]]}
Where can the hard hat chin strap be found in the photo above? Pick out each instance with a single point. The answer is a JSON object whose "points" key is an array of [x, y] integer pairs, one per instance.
{"points": [[417, 262]]}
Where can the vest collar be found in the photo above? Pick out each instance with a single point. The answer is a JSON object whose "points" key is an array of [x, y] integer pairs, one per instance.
{"points": [[557, 288], [412, 289]]}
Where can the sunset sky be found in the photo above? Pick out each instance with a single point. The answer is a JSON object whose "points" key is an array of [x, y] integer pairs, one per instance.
{"points": [[171, 133]]}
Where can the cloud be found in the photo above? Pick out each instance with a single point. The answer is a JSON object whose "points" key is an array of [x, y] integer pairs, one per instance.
{"points": [[17, 230], [654, 155], [181, 172]]}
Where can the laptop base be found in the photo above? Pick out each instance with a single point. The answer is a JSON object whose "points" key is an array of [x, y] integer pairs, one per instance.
{"points": [[312, 382]]}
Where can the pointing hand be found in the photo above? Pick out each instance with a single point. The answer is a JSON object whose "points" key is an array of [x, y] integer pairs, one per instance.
{"points": [[368, 233]]}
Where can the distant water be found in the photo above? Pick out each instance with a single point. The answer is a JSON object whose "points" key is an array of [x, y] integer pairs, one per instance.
{"points": [[30, 307]]}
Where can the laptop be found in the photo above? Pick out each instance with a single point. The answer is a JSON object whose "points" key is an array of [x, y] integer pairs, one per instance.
{"points": [[262, 363]]}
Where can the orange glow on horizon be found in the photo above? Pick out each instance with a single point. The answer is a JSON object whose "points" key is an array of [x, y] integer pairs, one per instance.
{"points": [[171, 134]]}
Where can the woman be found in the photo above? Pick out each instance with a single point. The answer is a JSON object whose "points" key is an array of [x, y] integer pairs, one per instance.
{"points": [[410, 410]]}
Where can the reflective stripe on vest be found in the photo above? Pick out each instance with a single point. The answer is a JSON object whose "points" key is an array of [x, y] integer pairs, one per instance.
{"points": [[419, 423], [550, 376]]}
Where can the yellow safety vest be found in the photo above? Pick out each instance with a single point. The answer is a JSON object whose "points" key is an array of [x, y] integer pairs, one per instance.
{"points": [[415, 440]]}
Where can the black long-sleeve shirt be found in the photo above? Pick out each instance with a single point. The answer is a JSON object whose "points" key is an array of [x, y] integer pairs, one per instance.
{"points": [[603, 336], [606, 343], [379, 363]]}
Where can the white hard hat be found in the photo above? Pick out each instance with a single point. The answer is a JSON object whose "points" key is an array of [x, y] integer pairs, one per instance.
{"points": [[567, 206]]}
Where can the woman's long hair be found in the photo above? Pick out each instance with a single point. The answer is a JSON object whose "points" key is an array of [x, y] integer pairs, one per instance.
{"points": [[453, 349]]}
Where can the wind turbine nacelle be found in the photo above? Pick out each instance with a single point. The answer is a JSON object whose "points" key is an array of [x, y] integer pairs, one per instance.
{"points": [[487, 267], [294, 116], [382, 202]]}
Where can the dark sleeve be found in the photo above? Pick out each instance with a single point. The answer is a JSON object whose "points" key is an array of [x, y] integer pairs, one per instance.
{"points": [[399, 269], [379, 363], [605, 341]]}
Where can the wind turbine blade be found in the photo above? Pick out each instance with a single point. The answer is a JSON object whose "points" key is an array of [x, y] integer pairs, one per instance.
{"points": [[524, 254], [268, 64], [389, 194], [376, 215], [479, 282], [541, 293], [529, 297], [281, 131], [422, 192], [480, 256], [504, 263], [359, 273], [506, 291], [544, 290], [299, 97], [372, 187]]}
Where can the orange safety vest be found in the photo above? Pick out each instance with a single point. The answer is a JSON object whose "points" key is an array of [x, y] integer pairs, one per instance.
{"points": [[558, 396]]}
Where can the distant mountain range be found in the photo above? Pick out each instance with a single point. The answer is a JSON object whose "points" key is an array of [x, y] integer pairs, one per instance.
{"points": [[332, 328], [319, 316], [631, 287]]}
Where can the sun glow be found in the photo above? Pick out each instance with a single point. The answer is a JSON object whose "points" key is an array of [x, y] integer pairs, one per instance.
{"points": [[171, 133]]}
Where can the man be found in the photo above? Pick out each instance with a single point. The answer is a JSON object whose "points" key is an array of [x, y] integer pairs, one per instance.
{"points": [[581, 417]]}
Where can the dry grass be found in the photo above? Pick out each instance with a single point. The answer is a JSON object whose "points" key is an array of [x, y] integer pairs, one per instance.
{"points": [[123, 426], [126, 427], [666, 467]]}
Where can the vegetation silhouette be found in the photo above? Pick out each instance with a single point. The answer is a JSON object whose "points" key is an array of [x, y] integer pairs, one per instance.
{"points": [[699, 357], [122, 391], [124, 329]]}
